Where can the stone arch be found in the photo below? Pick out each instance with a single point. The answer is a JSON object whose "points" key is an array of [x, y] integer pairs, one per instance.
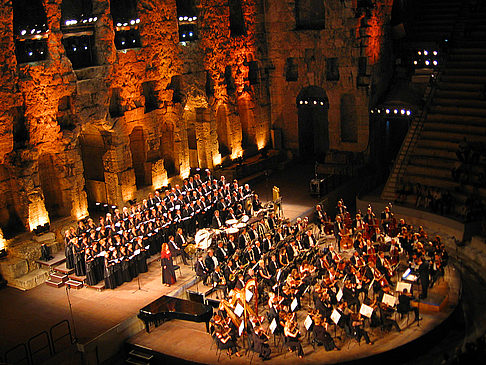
{"points": [[139, 157], [50, 183], [167, 149], [247, 122], [222, 131], [313, 106], [93, 149], [10, 221], [349, 118]]}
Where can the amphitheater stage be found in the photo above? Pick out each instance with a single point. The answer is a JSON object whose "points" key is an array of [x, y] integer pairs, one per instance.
{"points": [[188, 342]]}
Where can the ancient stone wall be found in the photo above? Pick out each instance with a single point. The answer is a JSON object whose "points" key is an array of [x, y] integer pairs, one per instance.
{"points": [[301, 58]]}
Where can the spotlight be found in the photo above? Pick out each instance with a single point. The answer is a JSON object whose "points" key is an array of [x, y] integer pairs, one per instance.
{"points": [[95, 18], [84, 20], [118, 24], [301, 102], [30, 53], [402, 111], [181, 18], [137, 20], [38, 31], [194, 18], [90, 20], [419, 53], [306, 102], [132, 22], [85, 48], [125, 24], [75, 49], [315, 102], [184, 35], [75, 21], [190, 19], [446, 40], [133, 41], [185, 18], [408, 112], [190, 34], [32, 31], [415, 62], [97, 204], [435, 63], [23, 32], [426, 53], [322, 103], [379, 111], [372, 111], [387, 111], [435, 53], [122, 43], [395, 111], [427, 62]]}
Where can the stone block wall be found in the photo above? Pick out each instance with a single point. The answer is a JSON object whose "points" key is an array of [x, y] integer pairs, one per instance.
{"points": [[105, 131]]}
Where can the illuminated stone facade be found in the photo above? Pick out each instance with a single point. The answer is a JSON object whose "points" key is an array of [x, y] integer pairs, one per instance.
{"points": [[144, 116]]}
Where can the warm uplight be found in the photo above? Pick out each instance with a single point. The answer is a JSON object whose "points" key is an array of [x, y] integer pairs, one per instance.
{"points": [[3, 242], [38, 215], [237, 152], [217, 159]]}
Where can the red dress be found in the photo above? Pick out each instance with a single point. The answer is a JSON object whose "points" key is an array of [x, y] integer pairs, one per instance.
{"points": [[168, 273]]}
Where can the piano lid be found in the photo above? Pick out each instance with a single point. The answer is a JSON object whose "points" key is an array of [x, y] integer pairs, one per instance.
{"points": [[172, 304]]}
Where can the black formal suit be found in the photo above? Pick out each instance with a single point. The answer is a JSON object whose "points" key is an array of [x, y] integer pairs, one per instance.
{"points": [[217, 222], [209, 262], [202, 270]]}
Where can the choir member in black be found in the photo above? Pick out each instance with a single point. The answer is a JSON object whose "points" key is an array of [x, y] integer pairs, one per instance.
{"points": [[125, 264], [79, 263], [132, 260], [168, 273], [201, 269], [110, 280], [321, 336], [141, 256], [292, 335], [338, 229], [320, 218], [68, 249], [260, 343], [116, 262], [90, 267]]}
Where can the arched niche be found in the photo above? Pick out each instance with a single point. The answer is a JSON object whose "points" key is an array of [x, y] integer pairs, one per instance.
{"points": [[349, 118], [93, 149], [167, 150], [54, 201], [139, 157], [313, 106], [10, 222], [222, 130], [247, 123]]}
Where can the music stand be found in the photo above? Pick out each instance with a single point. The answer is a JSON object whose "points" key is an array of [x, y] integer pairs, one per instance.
{"points": [[75, 336], [139, 286]]}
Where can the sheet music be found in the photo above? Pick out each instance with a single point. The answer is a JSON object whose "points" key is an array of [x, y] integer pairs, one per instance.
{"points": [[136, 252], [294, 304], [308, 322], [366, 310], [239, 310], [248, 295], [402, 285], [389, 300], [273, 326], [339, 295], [242, 327], [411, 277], [335, 316], [278, 274]]}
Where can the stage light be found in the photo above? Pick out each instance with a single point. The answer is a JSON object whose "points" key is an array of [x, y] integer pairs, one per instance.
{"points": [[122, 43], [132, 22], [32, 31], [435, 63], [85, 20], [191, 34], [90, 20], [31, 53], [301, 102], [322, 103], [415, 62], [426, 53], [137, 20], [306, 102], [184, 35], [185, 18], [435, 53], [194, 18], [408, 112], [125, 24], [23, 32], [38, 31], [189, 19], [379, 111], [133, 41], [85, 48], [181, 18], [118, 24], [427, 62], [183, 43], [446, 40], [315, 102], [387, 111], [395, 111], [402, 111], [420, 53], [372, 111]]}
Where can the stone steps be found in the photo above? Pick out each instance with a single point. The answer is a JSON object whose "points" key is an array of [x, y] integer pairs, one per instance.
{"points": [[469, 103], [437, 172], [458, 111], [458, 86], [450, 136], [456, 118], [30, 280], [456, 71], [435, 153], [456, 94], [74, 284], [455, 128]]}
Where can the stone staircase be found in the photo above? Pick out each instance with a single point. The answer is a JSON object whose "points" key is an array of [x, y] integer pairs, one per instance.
{"points": [[456, 110]]}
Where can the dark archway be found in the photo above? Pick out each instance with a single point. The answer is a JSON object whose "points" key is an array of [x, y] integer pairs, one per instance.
{"points": [[222, 129], [167, 150], [51, 187], [139, 157], [10, 222], [313, 106], [92, 151]]}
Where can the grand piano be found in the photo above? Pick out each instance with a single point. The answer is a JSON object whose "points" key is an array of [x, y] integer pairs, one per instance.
{"points": [[166, 308]]}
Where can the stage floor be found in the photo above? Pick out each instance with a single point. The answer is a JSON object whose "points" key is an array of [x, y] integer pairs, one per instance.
{"points": [[189, 341]]}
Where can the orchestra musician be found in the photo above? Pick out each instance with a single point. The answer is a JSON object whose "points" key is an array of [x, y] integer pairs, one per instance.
{"points": [[260, 344], [292, 335], [386, 218], [201, 269], [320, 218]]}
